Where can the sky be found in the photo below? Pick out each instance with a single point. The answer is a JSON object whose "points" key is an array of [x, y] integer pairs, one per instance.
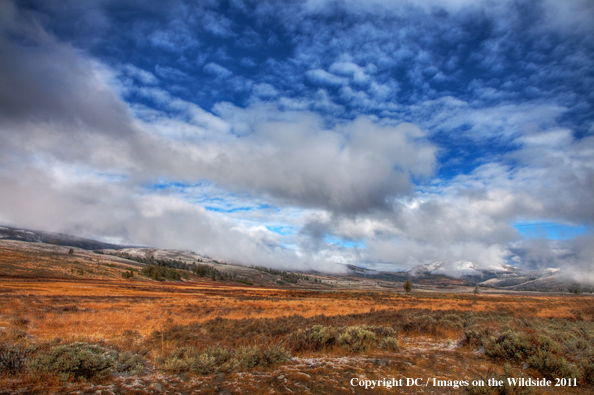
{"points": [[306, 135]]}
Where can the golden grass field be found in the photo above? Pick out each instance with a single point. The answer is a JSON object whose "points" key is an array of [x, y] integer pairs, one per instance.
{"points": [[154, 319]]}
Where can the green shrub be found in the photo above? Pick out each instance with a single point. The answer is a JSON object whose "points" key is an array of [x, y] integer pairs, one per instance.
{"points": [[203, 364], [390, 343], [248, 357], [510, 345], [176, 365], [180, 360], [130, 362], [212, 359], [220, 354], [587, 370], [77, 360], [12, 359], [478, 337], [552, 366], [275, 355], [314, 338], [356, 338]]}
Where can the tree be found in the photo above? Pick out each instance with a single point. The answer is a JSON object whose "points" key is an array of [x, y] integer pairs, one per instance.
{"points": [[71, 251], [476, 289], [407, 286]]}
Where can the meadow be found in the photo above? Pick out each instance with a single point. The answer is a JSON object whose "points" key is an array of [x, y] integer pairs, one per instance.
{"points": [[116, 335]]}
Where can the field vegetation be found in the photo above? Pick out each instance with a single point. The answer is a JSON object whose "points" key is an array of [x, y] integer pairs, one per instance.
{"points": [[117, 335]]}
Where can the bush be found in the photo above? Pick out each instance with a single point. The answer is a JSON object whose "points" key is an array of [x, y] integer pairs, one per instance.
{"points": [[130, 362], [510, 345], [275, 355], [390, 343], [128, 274], [180, 360], [552, 366], [203, 364], [175, 365], [248, 357], [77, 360], [356, 338], [314, 338], [539, 349], [12, 359], [587, 370], [212, 359]]}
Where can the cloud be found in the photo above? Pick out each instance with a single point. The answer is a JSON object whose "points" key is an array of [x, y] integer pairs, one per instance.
{"points": [[322, 77], [265, 90], [422, 130], [217, 70], [356, 167], [170, 73]]}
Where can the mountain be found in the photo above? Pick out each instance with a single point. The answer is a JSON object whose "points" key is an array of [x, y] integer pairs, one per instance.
{"points": [[61, 239], [464, 273]]}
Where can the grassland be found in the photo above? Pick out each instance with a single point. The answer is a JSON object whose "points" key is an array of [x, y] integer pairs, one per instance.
{"points": [[65, 332]]}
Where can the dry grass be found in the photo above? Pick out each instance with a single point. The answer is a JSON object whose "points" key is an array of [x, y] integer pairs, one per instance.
{"points": [[155, 320], [105, 309]]}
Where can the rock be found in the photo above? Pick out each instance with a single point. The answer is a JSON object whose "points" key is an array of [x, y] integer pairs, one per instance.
{"points": [[158, 387], [281, 377], [224, 391]]}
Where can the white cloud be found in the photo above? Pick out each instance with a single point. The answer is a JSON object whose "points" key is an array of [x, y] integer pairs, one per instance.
{"points": [[322, 77], [217, 70]]}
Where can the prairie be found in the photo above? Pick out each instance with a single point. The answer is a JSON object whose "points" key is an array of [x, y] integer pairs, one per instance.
{"points": [[65, 332]]}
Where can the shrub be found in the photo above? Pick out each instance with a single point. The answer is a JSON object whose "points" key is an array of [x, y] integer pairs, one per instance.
{"points": [[248, 357], [212, 359], [175, 365], [77, 360], [130, 362], [537, 348], [128, 274], [12, 359], [478, 337], [552, 366], [510, 345], [390, 343], [353, 338], [587, 370], [314, 338], [275, 355], [356, 338], [203, 364], [220, 354], [180, 360]]}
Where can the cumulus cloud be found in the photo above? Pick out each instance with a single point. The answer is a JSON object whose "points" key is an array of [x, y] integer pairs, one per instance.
{"points": [[418, 132]]}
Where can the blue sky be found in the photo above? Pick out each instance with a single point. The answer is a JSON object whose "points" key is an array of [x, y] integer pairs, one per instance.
{"points": [[308, 134]]}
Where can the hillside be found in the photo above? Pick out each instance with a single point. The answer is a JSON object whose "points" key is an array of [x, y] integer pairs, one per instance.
{"points": [[44, 254]]}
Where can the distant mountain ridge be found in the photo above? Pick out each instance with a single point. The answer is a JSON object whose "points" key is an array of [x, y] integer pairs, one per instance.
{"points": [[61, 239], [461, 273]]}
